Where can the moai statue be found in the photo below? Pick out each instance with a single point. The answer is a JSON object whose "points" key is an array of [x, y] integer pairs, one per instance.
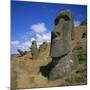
{"points": [[40, 48], [34, 50], [62, 34], [43, 47], [63, 60]]}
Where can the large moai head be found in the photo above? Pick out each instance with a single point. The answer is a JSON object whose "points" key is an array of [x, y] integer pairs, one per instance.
{"points": [[62, 34]]}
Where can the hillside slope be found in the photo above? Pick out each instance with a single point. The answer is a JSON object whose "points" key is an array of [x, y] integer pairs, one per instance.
{"points": [[25, 72]]}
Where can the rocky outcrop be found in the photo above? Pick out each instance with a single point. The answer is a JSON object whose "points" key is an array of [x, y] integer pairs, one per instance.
{"points": [[64, 67]]}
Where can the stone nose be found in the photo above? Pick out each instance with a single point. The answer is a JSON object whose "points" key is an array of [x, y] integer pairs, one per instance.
{"points": [[57, 34]]}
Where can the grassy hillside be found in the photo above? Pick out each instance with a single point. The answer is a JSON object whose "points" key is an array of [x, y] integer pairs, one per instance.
{"points": [[25, 72]]}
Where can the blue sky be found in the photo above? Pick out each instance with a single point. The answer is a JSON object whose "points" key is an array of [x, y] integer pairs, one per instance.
{"points": [[34, 21]]}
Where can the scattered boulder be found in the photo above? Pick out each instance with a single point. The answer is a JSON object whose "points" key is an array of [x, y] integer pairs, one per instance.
{"points": [[22, 53]]}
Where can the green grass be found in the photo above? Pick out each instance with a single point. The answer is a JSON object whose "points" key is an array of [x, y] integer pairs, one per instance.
{"points": [[82, 58], [79, 77]]}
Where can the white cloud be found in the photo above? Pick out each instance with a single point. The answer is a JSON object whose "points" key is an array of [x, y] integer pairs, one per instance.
{"points": [[38, 27], [15, 42], [32, 39], [41, 35], [45, 37], [40, 38], [23, 46], [26, 43], [76, 23]]}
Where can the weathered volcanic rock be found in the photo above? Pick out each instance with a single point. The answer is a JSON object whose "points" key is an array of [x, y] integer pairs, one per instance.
{"points": [[64, 67], [61, 36]]}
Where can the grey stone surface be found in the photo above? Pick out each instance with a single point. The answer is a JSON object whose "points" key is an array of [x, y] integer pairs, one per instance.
{"points": [[61, 36], [64, 67]]}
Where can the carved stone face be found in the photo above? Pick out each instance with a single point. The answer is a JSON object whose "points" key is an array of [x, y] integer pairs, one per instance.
{"points": [[61, 35]]}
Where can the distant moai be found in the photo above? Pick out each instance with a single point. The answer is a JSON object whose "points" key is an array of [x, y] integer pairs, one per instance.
{"points": [[22, 53], [43, 47], [34, 50]]}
